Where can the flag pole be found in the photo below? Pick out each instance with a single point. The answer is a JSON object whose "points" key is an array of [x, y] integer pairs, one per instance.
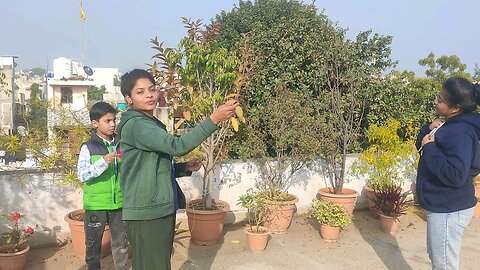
{"points": [[82, 19]]}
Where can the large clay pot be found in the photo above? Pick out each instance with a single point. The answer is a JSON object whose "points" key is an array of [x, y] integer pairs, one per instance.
{"points": [[347, 197], [279, 215], [13, 261], [371, 202], [206, 225], [329, 233], [389, 224], [257, 241], [78, 235]]}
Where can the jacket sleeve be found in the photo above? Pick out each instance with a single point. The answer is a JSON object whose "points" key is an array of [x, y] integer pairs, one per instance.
{"points": [[180, 170], [423, 131], [451, 165], [149, 137]]}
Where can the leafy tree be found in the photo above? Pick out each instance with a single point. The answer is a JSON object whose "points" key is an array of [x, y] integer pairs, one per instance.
{"points": [[353, 70], [36, 115], [56, 153], [289, 38], [403, 97], [283, 138], [440, 69], [476, 75], [199, 76], [96, 93]]}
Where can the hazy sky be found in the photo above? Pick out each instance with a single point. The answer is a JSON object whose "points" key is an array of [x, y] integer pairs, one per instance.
{"points": [[116, 33]]}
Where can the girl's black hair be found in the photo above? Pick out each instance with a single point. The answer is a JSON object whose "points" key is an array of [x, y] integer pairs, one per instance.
{"points": [[129, 80], [463, 93], [100, 109]]}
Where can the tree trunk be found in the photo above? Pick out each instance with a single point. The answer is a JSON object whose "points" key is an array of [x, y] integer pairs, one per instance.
{"points": [[211, 175]]}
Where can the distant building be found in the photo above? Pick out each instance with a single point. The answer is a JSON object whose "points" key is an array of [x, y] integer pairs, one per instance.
{"points": [[68, 99], [64, 68], [11, 106]]}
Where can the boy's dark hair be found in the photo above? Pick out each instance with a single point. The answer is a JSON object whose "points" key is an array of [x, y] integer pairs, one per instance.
{"points": [[100, 109], [129, 80], [463, 93]]}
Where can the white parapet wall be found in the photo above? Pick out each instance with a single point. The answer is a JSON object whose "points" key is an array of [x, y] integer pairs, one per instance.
{"points": [[45, 202]]}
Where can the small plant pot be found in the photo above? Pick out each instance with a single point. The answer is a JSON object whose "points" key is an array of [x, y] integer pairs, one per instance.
{"points": [[389, 224], [279, 215], [13, 261], [257, 241], [329, 233]]}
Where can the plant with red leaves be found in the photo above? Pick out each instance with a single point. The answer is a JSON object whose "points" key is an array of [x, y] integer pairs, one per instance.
{"points": [[392, 202]]}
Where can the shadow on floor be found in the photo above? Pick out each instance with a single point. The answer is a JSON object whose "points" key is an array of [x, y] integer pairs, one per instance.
{"points": [[385, 245]]}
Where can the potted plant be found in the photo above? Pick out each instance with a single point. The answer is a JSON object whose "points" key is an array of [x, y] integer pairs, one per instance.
{"points": [[330, 216], [384, 161], [77, 233], [13, 253], [391, 203], [352, 69], [256, 205], [281, 140], [197, 77]]}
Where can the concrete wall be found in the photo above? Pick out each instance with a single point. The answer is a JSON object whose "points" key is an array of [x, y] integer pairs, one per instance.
{"points": [[45, 203]]}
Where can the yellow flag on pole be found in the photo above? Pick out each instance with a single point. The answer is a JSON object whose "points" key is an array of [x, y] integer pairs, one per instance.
{"points": [[82, 14]]}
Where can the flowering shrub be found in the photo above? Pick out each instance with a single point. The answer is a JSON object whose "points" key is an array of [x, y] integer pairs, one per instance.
{"points": [[16, 236], [329, 213]]}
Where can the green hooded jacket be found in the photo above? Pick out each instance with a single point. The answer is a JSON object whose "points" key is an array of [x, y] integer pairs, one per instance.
{"points": [[147, 149]]}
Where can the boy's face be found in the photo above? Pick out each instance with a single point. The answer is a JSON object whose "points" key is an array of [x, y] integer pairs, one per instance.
{"points": [[105, 126], [144, 96]]}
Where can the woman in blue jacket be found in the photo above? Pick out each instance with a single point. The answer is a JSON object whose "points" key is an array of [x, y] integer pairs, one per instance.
{"points": [[450, 158]]}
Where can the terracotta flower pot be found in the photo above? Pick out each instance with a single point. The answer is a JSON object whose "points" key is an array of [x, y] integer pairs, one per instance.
{"points": [[348, 197], [279, 215], [371, 202], [389, 224], [206, 225], [13, 261], [329, 233], [257, 242], [78, 235]]}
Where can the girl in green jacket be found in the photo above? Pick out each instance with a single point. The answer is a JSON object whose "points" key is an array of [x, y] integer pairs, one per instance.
{"points": [[150, 192]]}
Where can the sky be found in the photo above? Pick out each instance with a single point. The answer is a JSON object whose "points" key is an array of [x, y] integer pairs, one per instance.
{"points": [[117, 33]]}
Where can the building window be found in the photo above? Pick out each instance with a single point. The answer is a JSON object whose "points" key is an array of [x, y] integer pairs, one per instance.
{"points": [[66, 95]]}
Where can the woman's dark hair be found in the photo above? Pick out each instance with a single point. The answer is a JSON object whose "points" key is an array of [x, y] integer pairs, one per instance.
{"points": [[100, 109], [129, 80], [461, 92]]}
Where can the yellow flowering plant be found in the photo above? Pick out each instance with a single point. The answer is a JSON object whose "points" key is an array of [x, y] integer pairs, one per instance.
{"points": [[389, 160]]}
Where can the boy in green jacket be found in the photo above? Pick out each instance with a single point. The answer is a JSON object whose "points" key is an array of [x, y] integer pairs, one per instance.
{"points": [[98, 168], [148, 174]]}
